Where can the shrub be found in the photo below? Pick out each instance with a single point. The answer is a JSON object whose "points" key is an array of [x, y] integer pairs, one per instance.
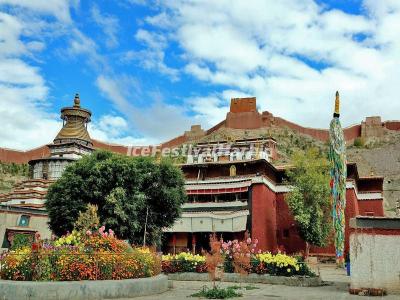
{"points": [[21, 240], [237, 254], [184, 262], [279, 265], [92, 256], [88, 219], [359, 142], [217, 293]]}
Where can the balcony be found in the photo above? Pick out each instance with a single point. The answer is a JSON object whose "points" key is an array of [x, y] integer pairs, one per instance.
{"points": [[215, 206]]}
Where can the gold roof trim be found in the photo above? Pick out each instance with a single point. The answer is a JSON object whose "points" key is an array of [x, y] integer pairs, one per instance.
{"points": [[74, 127]]}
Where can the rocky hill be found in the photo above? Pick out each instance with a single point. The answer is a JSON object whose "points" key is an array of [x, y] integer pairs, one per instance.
{"points": [[381, 157]]}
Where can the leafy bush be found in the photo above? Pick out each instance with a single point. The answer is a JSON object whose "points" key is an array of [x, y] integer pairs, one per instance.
{"points": [[14, 169], [21, 240], [92, 256], [217, 293], [359, 142]]}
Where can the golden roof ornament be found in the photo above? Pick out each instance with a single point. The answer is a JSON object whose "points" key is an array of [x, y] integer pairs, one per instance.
{"points": [[336, 114], [77, 101], [75, 120]]}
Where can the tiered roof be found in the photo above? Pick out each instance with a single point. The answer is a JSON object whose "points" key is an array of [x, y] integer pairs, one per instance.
{"points": [[74, 128], [73, 138], [28, 193]]}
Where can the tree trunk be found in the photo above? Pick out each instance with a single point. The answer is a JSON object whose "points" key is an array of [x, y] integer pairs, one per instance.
{"points": [[307, 250]]}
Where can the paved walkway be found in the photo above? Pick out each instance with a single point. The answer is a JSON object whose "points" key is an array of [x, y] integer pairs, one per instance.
{"points": [[336, 288]]}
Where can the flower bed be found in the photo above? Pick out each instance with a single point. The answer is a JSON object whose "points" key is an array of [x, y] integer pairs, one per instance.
{"points": [[77, 256], [184, 262], [239, 257], [261, 263]]}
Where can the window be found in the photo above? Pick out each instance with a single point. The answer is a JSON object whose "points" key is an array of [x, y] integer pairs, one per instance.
{"points": [[285, 233], [232, 171], [24, 221]]}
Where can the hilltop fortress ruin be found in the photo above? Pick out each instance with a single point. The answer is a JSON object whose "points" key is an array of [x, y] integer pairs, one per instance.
{"points": [[243, 114]]}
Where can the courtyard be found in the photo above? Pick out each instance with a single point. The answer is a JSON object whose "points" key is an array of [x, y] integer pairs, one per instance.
{"points": [[336, 288]]}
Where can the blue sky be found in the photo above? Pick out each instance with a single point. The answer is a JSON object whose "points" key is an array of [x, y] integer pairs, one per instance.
{"points": [[149, 69]]}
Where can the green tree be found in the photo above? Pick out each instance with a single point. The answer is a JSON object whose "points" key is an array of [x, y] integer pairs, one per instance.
{"points": [[309, 199], [126, 190]]}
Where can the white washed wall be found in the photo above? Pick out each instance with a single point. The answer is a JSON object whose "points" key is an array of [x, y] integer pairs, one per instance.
{"points": [[375, 261]]}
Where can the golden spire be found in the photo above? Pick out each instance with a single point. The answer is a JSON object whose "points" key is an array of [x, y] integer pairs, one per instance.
{"points": [[77, 101], [337, 105]]}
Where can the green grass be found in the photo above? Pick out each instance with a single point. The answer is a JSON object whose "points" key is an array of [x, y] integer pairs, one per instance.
{"points": [[217, 293]]}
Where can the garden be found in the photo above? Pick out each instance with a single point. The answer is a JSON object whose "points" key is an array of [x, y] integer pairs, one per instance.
{"points": [[233, 261], [238, 257], [97, 255]]}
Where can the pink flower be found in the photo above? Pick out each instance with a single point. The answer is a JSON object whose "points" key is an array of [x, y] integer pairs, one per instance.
{"points": [[252, 250], [259, 251], [88, 232], [101, 229], [110, 232], [230, 243], [249, 241], [248, 254]]}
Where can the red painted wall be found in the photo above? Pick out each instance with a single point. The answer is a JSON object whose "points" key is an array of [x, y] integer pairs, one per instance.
{"points": [[244, 120], [294, 244], [285, 221], [320, 134], [263, 211], [21, 157], [350, 133], [351, 211], [392, 125], [368, 206]]}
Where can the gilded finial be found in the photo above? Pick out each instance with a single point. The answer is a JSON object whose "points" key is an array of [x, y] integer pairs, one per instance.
{"points": [[77, 101], [337, 105]]}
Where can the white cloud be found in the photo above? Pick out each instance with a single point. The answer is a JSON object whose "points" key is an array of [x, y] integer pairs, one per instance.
{"points": [[270, 49], [157, 122], [153, 55], [267, 49], [109, 24], [114, 129], [56, 8], [24, 94]]}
